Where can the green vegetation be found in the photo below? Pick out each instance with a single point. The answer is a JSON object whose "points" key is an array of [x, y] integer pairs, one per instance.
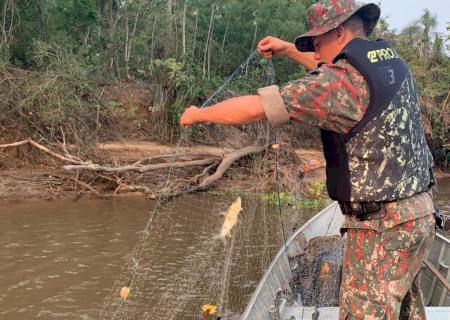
{"points": [[291, 200], [287, 199], [58, 56], [314, 197]]}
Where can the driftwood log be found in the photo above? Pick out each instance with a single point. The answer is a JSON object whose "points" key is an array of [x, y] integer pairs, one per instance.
{"points": [[222, 161], [226, 163], [138, 168]]}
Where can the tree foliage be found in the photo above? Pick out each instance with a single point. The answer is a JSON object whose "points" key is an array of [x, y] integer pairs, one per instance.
{"points": [[186, 47]]}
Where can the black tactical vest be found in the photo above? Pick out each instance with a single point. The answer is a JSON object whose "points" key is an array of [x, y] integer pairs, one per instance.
{"points": [[385, 156]]}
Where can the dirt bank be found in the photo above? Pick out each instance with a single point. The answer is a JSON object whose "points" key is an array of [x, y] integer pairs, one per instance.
{"points": [[51, 181]]}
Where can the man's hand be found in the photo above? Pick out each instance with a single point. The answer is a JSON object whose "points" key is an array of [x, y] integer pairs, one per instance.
{"points": [[270, 46], [188, 117]]}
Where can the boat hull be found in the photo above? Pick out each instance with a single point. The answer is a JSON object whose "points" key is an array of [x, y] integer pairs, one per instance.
{"points": [[265, 301]]}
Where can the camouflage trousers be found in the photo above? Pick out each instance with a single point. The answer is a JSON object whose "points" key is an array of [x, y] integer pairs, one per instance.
{"points": [[380, 277]]}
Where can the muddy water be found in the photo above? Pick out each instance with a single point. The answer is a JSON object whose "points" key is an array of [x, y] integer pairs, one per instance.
{"points": [[67, 260], [443, 199]]}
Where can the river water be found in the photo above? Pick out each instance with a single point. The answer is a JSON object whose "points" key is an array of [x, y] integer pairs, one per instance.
{"points": [[68, 260]]}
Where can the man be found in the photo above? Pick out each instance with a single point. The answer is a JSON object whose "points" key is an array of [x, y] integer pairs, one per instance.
{"points": [[363, 98]]}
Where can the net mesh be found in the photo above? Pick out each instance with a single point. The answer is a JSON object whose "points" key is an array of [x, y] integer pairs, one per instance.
{"points": [[317, 272], [196, 272], [180, 266]]}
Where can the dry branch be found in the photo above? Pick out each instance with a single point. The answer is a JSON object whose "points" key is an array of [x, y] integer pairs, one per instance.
{"points": [[137, 168], [40, 147], [85, 185], [226, 163], [222, 160], [14, 144], [211, 154]]}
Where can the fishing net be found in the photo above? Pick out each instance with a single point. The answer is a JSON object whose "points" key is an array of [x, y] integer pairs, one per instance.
{"points": [[317, 272], [178, 265], [199, 269]]}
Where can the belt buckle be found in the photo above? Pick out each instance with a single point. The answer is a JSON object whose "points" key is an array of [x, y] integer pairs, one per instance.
{"points": [[372, 211], [361, 210], [371, 207], [357, 208]]}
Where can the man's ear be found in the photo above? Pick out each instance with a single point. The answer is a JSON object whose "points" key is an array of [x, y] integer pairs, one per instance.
{"points": [[340, 34]]}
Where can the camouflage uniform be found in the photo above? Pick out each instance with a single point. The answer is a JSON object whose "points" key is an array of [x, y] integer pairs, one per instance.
{"points": [[382, 257], [382, 260]]}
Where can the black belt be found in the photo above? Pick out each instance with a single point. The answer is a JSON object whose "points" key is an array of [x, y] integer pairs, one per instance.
{"points": [[363, 210]]}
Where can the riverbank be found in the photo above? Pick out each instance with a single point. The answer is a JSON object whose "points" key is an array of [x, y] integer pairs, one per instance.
{"points": [[47, 178]]}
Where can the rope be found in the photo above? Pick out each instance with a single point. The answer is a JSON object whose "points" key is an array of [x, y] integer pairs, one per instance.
{"points": [[277, 174], [277, 177], [154, 212]]}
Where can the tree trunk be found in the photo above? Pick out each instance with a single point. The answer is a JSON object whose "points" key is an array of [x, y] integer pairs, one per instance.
{"points": [[175, 36], [195, 34], [205, 56], [127, 33], [133, 32], [139, 168], [184, 28], [444, 107], [209, 51], [171, 28], [3, 25], [153, 44], [225, 34], [169, 8], [7, 27], [111, 13]]}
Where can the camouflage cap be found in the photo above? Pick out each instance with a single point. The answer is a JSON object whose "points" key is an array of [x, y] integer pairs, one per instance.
{"points": [[326, 15]]}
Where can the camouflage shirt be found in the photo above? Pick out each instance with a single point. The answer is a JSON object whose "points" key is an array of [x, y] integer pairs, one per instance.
{"points": [[335, 97]]}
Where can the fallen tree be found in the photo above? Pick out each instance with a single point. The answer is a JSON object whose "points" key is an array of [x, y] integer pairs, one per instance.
{"points": [[224, 165], [105, 181]]}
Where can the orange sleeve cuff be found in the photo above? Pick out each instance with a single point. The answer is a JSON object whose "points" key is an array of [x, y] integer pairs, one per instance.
{"points": [[273, 106]]}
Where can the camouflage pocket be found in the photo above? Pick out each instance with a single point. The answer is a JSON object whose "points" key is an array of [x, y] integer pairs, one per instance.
{"points": [[405, 246], [361, 308], [407, 236]]}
